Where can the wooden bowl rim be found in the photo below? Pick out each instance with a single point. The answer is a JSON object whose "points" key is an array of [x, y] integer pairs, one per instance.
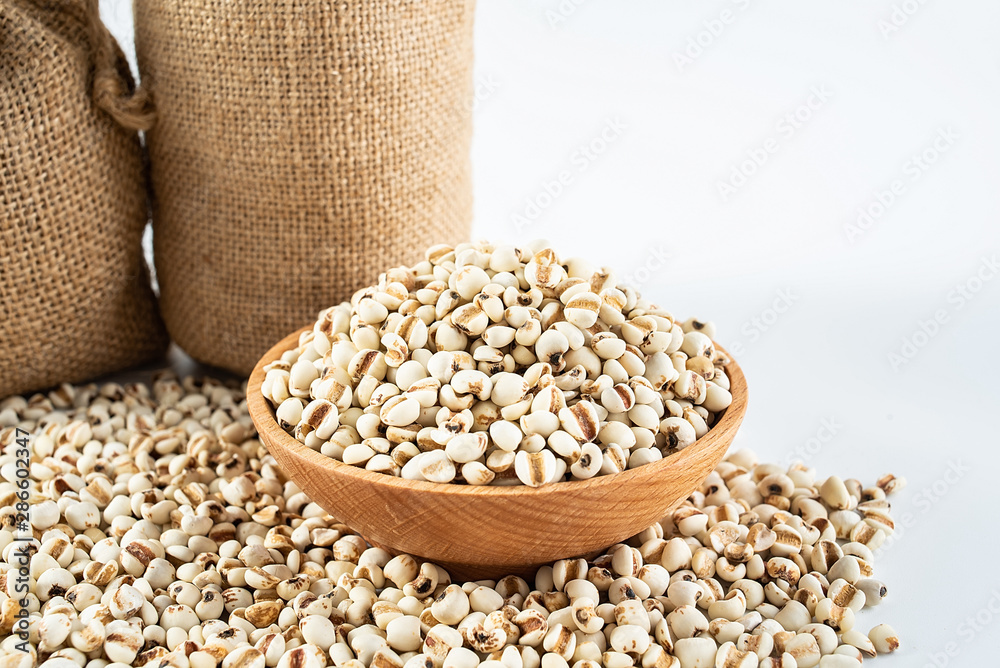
{"points": [[263, 418]]}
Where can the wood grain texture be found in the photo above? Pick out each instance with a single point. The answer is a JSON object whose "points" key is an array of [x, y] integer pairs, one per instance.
{"points": [[478, 532]]}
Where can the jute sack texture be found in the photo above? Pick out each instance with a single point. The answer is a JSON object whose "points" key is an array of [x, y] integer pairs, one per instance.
{"points": [[75, 299], [301, 147]]}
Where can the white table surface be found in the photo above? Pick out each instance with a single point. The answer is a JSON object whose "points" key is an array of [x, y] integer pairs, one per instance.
{"points": [[816, 304]]}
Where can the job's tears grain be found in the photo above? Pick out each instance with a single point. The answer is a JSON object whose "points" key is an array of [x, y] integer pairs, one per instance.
{"points": [[202, 554], [524, 368]]}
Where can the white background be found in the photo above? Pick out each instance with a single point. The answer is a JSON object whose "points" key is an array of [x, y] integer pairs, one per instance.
{"points": [[685, 93]]}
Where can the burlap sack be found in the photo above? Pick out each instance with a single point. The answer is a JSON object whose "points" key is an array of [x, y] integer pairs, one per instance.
{"points": [[75, 300], [301, 146]]}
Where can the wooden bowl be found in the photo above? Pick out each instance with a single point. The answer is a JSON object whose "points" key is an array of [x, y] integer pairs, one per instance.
{"points": [[481, 532]]}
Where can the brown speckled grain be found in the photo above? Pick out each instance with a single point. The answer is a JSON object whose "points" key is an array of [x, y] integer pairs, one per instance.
{"points": [[478, 532]]}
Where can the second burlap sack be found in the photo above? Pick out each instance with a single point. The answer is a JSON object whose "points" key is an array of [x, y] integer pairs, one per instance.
{"points": [[301, 147]]}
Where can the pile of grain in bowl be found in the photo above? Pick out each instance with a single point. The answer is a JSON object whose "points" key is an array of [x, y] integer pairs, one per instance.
{"points": [[499, 365], [159, 532]]}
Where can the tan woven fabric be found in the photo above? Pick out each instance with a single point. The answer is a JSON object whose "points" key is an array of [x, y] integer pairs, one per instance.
{"points": [[75, 300], [301, 146]]}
